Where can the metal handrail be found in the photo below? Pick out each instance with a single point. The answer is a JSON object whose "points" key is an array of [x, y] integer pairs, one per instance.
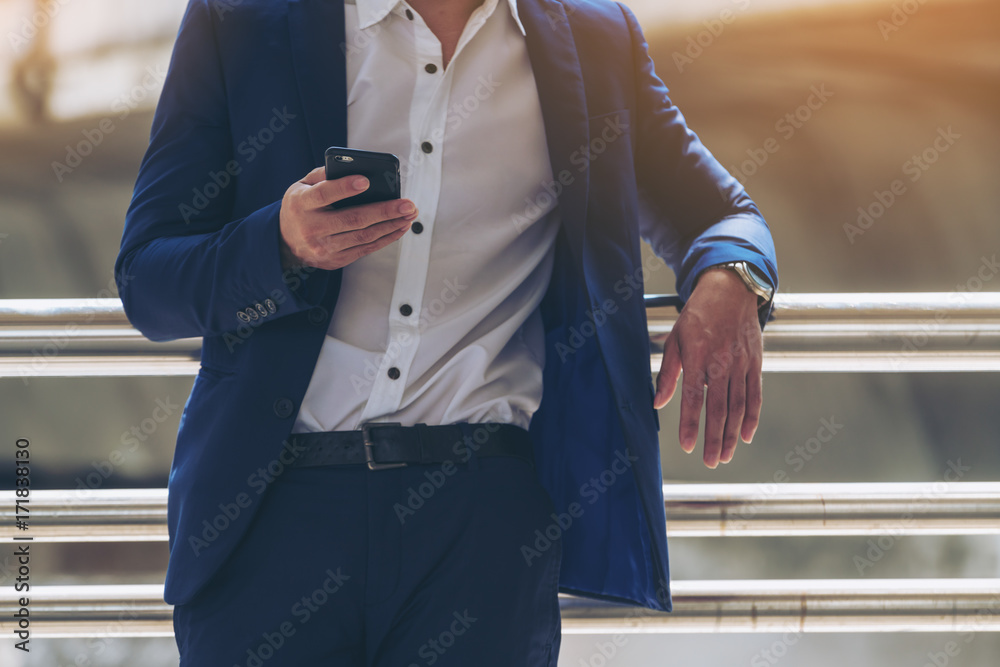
{"points": [[693, 510], [876, 605], [883, 332], [828, 509], [802, 605], [870, 332], [810, 332], [84, 515]]}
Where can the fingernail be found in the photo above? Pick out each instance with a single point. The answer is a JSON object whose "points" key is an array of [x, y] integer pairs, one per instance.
{"points": [[407, 207], [360, 183]]}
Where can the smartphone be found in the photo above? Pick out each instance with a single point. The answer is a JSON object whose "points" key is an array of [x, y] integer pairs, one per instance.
{"points": [[381, 169]]}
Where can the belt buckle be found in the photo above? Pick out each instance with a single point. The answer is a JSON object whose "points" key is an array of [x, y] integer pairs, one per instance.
{"points": [[369, 447]]}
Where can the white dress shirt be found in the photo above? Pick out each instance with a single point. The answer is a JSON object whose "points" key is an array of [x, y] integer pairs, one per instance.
{"points": [[443, 325]]}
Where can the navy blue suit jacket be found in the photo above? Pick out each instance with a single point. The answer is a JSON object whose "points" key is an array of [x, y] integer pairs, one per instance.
{"points": [[255, 93]]}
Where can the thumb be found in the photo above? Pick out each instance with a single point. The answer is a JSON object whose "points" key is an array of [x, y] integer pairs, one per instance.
{"points": [[317, 175], [670, 372]]}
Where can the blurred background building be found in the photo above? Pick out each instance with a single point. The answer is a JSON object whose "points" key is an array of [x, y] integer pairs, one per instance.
{"points": [[817, 106]]}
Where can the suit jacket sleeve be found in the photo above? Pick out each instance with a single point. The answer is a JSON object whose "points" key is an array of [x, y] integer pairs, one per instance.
{"points": [[185, 267], [696, 214]]}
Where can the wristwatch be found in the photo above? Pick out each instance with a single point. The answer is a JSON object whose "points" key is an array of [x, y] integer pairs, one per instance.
{"points": [[755, 281]]}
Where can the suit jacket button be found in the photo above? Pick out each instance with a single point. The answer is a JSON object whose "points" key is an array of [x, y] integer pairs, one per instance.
{"points": [[262, 310], [283, 408], [271, 307], [317, 315], [243, 316]]}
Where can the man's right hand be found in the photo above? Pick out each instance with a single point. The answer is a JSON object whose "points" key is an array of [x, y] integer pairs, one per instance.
{"points": [[312, 235]]}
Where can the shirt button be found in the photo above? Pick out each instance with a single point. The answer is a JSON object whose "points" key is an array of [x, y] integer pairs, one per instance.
{"points": [[393, 373], [417, 227], [283, 408], [409, 14], [431, 68], [406, 310], [426, 147]]}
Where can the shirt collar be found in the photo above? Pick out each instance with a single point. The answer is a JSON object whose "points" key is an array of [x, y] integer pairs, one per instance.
{"points": [[371, 12]]}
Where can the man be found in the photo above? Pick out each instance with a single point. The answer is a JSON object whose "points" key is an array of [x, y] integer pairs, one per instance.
{"points": [[495, 313]]}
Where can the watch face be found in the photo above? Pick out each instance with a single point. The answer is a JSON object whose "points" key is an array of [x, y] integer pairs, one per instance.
{"points": [[757, 275], [755, 281]]}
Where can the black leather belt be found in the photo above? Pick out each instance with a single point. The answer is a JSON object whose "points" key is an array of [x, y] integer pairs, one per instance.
{"points": [[384, 445]]}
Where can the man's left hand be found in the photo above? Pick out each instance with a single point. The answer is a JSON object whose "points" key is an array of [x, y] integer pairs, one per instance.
{"points": [[717, 342]]}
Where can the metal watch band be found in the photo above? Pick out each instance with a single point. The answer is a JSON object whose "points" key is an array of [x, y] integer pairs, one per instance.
{"points": [[755, 284]]}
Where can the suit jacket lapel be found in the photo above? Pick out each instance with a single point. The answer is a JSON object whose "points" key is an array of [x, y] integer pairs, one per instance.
{"points": [[556, 65], [316, 33]]}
